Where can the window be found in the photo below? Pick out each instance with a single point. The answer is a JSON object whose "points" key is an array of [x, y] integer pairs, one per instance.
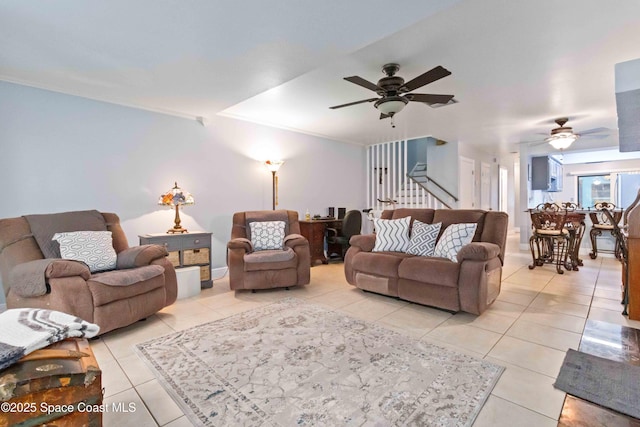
{"points": [[618, 188], [593, 189]]}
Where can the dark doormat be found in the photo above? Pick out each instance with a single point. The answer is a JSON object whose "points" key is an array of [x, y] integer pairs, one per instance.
{"points": [[605, 382]]}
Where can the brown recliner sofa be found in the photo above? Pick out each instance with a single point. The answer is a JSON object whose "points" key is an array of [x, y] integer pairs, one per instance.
{"points": [[266, 269], [143, 282], [471, 284]]}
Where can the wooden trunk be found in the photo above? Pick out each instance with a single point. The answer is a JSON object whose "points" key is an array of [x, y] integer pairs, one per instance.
{"points": [[64, 390]]}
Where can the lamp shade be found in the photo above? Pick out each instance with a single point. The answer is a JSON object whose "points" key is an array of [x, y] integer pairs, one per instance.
{"points": [[176, 197], [562, 141], [391, 105], [273, 165]]}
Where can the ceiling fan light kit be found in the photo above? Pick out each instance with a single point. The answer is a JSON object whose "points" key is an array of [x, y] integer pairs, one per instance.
{"points": [[394, 91], [391, 105], [562, 137]]}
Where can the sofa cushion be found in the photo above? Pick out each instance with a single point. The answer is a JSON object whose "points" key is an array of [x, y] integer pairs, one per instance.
{"points": [[379, 263], [94, 248], [267, 235], [270, 260], [439, 271], [391, 234], [104, 294], [423, 238], [453, 239]]}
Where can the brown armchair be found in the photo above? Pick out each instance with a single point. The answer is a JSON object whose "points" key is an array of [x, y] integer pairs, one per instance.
{"points": [[33, 275], [265, 269]]}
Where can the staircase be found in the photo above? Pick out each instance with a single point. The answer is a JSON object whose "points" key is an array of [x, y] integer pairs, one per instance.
{"points": [[396, 179], [434, 190]]}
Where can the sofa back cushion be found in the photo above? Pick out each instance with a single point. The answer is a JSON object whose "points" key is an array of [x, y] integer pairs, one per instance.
{"points": [[461, 216], [44, 226], [241, 220], [422, 215]]}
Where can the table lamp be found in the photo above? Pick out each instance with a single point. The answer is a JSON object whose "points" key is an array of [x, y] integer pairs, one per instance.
{"points": [[176, 197]]}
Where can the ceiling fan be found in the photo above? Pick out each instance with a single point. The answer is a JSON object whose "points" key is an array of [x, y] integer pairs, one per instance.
{"points": [[394, 91], [563, 136]]}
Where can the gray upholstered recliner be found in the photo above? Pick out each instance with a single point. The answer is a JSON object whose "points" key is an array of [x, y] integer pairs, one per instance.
{"points": [[272, 268], [34, 275]]}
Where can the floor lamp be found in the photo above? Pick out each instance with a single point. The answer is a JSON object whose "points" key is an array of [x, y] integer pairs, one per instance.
{"points": [[273, 166]]}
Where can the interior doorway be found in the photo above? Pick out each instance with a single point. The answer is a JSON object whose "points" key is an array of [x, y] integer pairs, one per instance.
{"points": [[467, 183], [503, 178], [485, 186]]}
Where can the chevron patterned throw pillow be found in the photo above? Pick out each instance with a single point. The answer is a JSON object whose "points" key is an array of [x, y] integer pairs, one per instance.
{"points": [[423, 238], [391, 234], [453, 239]]}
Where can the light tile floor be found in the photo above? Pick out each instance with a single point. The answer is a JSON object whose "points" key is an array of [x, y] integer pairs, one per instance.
{"points": [[537, 317]]}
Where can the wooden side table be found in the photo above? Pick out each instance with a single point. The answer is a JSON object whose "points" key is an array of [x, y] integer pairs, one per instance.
{"points": [[186, 250], [314, 231]]}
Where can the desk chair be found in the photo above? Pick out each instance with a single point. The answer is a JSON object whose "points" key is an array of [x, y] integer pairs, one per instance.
{"points": [[351, 226]]}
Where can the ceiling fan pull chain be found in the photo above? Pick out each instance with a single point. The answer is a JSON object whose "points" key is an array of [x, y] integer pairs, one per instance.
{"points": [[392, 124]]}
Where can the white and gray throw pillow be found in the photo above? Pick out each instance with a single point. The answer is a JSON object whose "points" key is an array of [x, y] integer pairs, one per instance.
{"points": [[94, 248], [391, 234], [267, 235], [453, 239], [423, 238]]}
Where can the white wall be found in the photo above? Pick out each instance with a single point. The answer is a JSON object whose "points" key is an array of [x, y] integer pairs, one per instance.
{"points": [[60, 152]]}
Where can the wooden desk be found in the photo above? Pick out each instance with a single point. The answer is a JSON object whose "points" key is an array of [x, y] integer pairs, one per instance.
{"points": [[314, 230]]}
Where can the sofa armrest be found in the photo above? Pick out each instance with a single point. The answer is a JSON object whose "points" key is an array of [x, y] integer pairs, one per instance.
{"points": [[139, 256], [365, 242], [29, 279], [478, 251], [240, 243], [293, 240]]}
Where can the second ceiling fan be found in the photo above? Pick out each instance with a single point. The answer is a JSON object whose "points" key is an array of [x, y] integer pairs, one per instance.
{"points": [[394, 92]]}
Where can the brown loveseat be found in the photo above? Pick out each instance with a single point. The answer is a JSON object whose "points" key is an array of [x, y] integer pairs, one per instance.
{"points": [[143, 282], [265, 269], [471, 284]]}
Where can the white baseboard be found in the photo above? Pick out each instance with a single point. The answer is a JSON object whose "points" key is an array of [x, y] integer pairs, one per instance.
{"points": [[218, 273]]}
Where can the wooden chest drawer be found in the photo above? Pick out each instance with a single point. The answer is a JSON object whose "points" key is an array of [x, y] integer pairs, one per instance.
{"points": [[195, 256], [53, 391], [174, 258], [205, 273]]}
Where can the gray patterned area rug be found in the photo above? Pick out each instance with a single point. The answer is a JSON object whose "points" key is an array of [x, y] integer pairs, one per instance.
{"points": [[295, 363]]}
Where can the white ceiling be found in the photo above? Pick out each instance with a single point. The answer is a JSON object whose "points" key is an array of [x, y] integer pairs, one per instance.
{"points": [[516, 64]]}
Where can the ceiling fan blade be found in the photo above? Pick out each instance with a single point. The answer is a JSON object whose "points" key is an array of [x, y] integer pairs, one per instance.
{"points": [[354, 103], [423, 79], [429, 98], [384, 116], [364, 83], [596, 130]]}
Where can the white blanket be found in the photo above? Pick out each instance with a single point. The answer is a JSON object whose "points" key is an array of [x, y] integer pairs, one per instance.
{"points": [[24, 330]]}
